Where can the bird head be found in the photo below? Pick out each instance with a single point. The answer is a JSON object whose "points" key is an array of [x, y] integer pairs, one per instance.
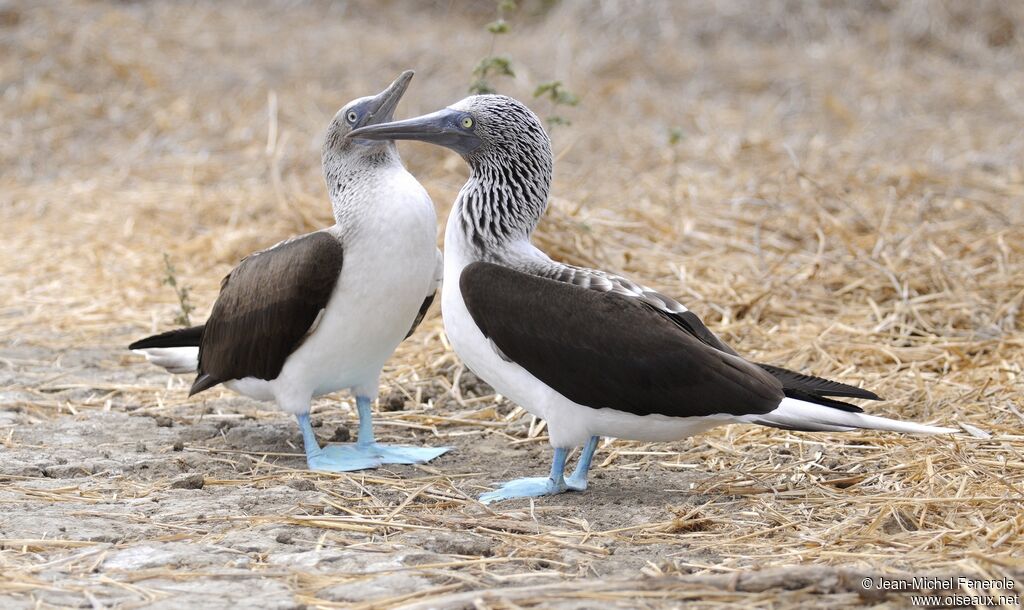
{"points": [[481, 128], [363, 112], [509, 155]]}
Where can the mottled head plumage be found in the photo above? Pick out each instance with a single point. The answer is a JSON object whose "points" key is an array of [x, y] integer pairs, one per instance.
{"points": [[505, 127], [509, 154], [511, 170]]}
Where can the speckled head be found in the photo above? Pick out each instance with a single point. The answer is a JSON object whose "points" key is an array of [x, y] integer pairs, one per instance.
{"points": [[508, 152], [479, 127], [362, 112]]}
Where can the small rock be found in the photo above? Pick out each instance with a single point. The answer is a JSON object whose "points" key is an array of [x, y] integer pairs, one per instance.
{"points": [[341, 435], [189, 481], [284, 538], [244, 463], [163, 421], [452, 543], [178, 446], [395, 402], [302, 484]]}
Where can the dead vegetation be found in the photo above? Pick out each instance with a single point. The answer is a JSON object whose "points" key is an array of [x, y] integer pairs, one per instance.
{"points": [[837, 189]]}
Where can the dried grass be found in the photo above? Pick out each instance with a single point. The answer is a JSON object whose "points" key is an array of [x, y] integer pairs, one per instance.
{"points": [[846, 199]]}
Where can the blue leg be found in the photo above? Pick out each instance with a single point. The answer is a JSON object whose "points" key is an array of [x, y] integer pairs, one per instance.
{"points": [[532, 487], [326, 458], [578, 479], [366, 452], [389, 454]]}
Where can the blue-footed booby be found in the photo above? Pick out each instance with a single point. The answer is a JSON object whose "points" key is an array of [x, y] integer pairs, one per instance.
{"points": [[322, 312], [592, 353]]}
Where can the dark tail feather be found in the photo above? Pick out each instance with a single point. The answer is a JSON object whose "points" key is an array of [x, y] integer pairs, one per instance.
{"points": [[817, 390], [817, 385], [203, 382], [181, 337]]}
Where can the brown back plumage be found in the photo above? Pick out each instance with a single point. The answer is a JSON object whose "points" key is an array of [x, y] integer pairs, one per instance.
{"points": [[266, 307], [603, 349]]}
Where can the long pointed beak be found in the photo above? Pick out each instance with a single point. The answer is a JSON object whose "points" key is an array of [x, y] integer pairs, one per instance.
{"points": [[441, 128], [382, 106]]}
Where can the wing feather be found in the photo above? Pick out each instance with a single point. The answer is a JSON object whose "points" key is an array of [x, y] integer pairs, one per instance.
{"points": [[603, 349], [266, 306], [796, 385]]}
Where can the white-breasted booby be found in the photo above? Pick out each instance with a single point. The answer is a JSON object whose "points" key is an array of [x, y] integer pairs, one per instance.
{"points": [[322, 312], [592, 353]]}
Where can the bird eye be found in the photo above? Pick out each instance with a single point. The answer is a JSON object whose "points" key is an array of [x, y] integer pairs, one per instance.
{"points": [[351, 116], [467, 122]]}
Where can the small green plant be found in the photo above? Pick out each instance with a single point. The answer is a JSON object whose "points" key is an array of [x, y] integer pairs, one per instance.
{"points": [[493, 65], [181, 291], [489, 67], [558, 95]]}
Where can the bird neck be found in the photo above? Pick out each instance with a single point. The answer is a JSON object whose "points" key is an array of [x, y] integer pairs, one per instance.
{"points": [[352, 175], [500, 205]]}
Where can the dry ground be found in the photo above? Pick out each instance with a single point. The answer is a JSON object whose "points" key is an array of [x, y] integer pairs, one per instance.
{"points": [[846, 197]]}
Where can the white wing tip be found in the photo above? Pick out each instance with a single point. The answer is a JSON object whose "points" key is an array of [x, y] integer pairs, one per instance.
{"points": [[176, 360], [809, 416]]}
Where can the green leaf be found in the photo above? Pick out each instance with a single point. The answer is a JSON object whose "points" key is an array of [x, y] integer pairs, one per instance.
{"points": [[497, 66], [498, 27], [566, 98], [502, 66], [481, 87], [557, 93], [545, 88], [675, 135]]}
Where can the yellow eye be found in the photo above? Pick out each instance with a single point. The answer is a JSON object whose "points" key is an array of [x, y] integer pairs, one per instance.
{"points": [[467, 122]]}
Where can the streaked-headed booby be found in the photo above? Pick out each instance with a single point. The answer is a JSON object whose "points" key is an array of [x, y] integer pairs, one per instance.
{"points": [[323, 311], [592, 353]]}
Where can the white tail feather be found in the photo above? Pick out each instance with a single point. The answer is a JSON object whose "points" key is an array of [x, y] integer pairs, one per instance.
{"points": [[802, 415], [174, 359]]}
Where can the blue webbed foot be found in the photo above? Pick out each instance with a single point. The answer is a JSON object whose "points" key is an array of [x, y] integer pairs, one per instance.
{"points": [[405, 454], [341, 458], [533, 487], [346, 458], [364, 454], [530, 487]]}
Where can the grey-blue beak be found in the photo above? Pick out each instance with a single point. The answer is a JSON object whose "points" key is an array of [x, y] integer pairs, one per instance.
{"points": [[382, 106], [442, 128]]}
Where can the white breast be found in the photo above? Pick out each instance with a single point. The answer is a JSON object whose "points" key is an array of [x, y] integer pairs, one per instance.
{"points": [[388, 270]]}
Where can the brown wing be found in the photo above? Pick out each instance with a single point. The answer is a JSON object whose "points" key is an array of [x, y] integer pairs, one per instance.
{"points": [[603, 349], [795, 385], [265, 308]]}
